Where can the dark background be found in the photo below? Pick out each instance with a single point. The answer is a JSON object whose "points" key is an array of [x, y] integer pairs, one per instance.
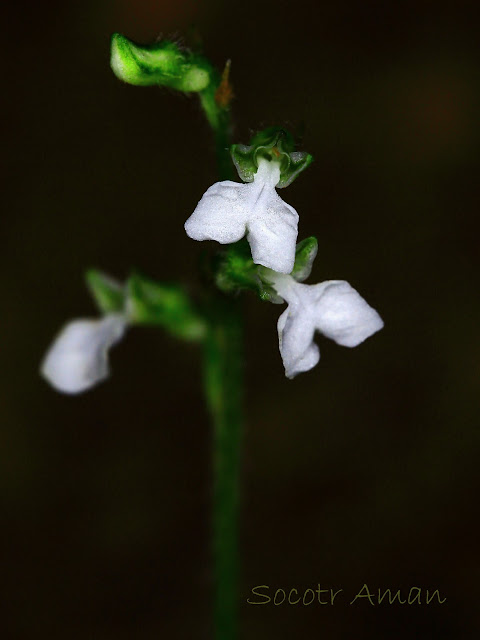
{"points": [[364, 470]]}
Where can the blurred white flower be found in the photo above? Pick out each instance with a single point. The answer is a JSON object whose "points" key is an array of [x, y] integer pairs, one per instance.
{"points": [[229, 209], [78, 358], [333, 308]]}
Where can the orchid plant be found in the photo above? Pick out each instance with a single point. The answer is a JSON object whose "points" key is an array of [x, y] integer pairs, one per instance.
{"points": [[261, 255]]}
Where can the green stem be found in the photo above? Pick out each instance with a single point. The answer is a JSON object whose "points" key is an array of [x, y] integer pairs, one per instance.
{"points": [[219, 120], [223, 387], [224, 393]]}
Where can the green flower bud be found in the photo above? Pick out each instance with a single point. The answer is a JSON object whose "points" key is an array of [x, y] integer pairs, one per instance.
{"points": [[151, 303], [162, 63], [108, 294], [275, 144]]}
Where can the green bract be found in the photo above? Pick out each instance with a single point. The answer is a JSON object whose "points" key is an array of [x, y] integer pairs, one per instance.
{"points": [[273, 143], [305, 254], [108, 294], [150, 302], [144, 301], [162, 63], [236, 271]]}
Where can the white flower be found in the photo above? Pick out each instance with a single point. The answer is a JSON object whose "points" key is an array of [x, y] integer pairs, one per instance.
{"points": [[77, 359], [228, 210], [333, 308]]}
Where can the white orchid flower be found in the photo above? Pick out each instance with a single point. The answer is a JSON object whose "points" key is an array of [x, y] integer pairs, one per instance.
{"points": [[78, 358], [333, 308], [229, 210]]}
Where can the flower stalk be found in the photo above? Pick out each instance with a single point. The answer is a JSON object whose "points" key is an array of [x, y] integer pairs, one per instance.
{"points": [[223, 378], [215, 101], [223, 384]]}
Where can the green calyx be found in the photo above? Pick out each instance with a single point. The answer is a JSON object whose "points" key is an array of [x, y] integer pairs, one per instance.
{"points": [[236, 271], [162, 63], [274, 144], [146, 302]]}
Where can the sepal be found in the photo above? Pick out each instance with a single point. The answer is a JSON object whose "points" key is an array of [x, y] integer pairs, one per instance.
{"points": [[162, 63], [275, 144]]}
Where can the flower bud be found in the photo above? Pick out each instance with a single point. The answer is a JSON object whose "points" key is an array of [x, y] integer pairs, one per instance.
{"points": [[162, 63]]}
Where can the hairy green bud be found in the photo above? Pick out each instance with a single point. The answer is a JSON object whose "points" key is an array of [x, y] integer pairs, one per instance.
{"points": [[162, 63]]}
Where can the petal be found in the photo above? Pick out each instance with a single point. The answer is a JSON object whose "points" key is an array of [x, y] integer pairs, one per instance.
{"points": [[221, 214], [341, 314], [77, 359], [272, 233], [228, 209], [295, 337]]}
